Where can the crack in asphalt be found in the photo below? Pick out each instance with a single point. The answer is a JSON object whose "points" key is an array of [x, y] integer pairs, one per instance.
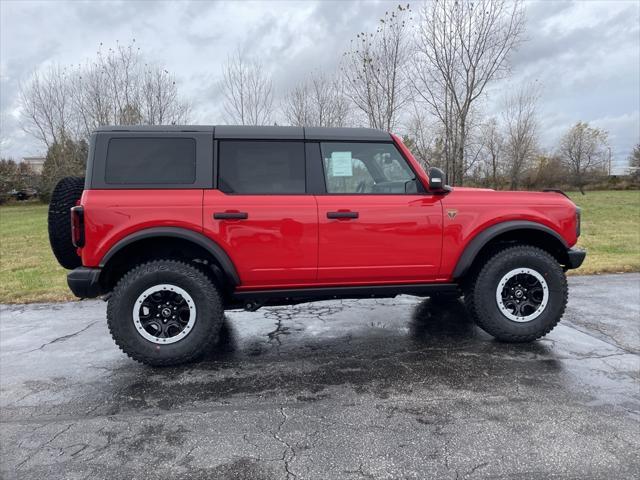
{"points": [[58, 434], [63, 338], [477, 467], [287, 459], [278, 331], [360, 471], [608, 339]]}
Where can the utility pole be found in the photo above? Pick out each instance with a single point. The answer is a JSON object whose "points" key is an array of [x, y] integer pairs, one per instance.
{"points": [[609, 148]]}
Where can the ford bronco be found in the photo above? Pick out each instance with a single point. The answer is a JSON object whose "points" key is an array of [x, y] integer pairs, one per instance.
{"points": [[172, 225]]}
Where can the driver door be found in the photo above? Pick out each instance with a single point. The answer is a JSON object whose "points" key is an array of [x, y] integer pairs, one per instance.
{"points": [[372, 227]]}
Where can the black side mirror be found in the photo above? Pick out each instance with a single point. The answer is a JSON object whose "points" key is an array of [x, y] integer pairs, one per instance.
{"points": [[437, 180]]}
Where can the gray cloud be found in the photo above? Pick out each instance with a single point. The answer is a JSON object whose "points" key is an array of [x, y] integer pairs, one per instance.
{"points": [[585, 55]]}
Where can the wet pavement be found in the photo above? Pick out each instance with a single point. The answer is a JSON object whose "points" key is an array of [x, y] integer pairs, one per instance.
{"points": [[366, 389]]}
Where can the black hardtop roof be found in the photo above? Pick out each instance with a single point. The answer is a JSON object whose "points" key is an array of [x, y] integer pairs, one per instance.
{"points": [[248, 132]]}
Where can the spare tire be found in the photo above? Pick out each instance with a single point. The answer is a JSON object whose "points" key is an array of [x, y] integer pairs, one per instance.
{"points": [[66, 194]]}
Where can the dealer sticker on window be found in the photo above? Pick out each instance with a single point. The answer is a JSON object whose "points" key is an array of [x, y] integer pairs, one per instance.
{"points": [[341, 165]]}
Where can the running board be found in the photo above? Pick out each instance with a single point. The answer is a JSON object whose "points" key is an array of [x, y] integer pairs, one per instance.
{"points": [[254, 299]]}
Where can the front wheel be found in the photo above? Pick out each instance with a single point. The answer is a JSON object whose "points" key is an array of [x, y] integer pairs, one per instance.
{"points": [[519, 295], [165, 312]]}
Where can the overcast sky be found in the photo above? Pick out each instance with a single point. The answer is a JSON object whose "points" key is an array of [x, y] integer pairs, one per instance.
{"points": [[584, 54]]}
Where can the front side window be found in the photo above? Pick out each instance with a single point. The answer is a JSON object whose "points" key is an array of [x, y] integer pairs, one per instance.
{"points": [[365, 168], [261, 167], [144, 161]]}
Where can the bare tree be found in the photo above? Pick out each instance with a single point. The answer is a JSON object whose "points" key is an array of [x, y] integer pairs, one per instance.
{"points": [[375, 69], [46, 103], [423, 139], [120, 88], [583, 151], [116, 88], [160, 102], [297, 107], [521, 143], [317, 102], [461, 47], [248, 92], [493, 145]]}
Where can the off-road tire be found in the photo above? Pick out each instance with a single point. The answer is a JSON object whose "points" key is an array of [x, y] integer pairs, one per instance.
{"points": [[65, 195], [196, 283], [480, 294]]}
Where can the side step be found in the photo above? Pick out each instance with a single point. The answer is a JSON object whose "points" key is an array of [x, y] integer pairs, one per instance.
{"points": [[252, 300]]}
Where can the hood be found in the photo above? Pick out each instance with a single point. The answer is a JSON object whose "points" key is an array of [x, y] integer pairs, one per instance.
{"points": [[500, 197], [472, 189]]}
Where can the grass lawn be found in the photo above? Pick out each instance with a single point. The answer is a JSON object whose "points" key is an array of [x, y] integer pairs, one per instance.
{"points": [[610, 231], [30, 273], [28, 270]]}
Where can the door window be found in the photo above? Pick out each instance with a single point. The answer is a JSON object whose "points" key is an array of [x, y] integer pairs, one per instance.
{"points": [[365, 168], [261, 167]]}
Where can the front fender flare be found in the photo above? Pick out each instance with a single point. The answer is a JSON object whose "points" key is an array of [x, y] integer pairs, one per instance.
{"points": [[483, 238]]}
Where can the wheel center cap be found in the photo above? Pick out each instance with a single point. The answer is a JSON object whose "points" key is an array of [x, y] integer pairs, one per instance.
{"points": [[518, 293], [166, 312]]}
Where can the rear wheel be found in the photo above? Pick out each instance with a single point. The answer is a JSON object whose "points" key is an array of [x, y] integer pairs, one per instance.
{"points": [[65, 195], [519, 295], [165, 312]]}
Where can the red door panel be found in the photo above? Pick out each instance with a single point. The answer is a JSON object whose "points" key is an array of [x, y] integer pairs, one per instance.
{"points": [[394, 239], [274, 245]]}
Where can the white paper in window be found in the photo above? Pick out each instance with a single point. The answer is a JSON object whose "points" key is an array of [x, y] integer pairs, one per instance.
{"points": [[341, 165]]}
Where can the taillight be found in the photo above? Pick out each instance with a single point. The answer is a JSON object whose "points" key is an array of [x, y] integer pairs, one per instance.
{"points": [[77, 226]]}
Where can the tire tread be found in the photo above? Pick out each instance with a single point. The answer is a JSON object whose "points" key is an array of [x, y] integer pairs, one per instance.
{"points": [[483, 319], [65, 195], [212, 297]]}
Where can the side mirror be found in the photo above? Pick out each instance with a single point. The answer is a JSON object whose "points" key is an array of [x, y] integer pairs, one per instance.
{"points": [[437, 180]]}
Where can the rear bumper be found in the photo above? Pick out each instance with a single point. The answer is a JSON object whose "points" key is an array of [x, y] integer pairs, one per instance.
{"points": [[84, 282], [576, 257]]}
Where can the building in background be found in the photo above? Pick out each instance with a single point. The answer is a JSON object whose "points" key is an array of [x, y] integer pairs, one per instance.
{"points": [[36, 163]]}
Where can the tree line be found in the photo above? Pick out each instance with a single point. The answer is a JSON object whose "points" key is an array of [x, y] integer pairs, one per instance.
{"points": [[425, 74]]}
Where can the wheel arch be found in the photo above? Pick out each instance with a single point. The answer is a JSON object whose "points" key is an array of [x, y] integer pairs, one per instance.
{"points": [[497, 236], [171, 242]]}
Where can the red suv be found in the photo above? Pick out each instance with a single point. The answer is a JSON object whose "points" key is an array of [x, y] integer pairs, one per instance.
{"points": [[173, 225]]}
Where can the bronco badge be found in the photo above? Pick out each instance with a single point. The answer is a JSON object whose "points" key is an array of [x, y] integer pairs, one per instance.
{"points": [[452, 213]]}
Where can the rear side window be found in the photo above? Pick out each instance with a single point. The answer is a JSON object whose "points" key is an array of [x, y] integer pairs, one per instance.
{"points": [[151, 161], [255, 167]]}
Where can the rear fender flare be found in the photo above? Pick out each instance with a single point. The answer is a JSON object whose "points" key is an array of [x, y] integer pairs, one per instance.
{"points": [[199, 239]]}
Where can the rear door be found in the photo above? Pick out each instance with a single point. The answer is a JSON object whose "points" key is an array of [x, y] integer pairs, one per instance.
{"points": [[261, 215], [375, 225]]}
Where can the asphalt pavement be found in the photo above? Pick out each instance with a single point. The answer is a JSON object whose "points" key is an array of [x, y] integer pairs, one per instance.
{"points": [[357, 389]]}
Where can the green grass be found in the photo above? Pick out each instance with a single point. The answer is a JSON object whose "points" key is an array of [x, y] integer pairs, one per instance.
{"points": [[28, 270], [30, 273], [610, 231]]}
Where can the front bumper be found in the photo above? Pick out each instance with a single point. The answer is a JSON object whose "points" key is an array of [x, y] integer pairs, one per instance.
{"points": [[575, 258], [84, 282]]}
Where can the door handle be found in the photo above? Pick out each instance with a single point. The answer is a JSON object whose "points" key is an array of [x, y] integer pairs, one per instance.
{"points": [[342, 215], [230, 215]]}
